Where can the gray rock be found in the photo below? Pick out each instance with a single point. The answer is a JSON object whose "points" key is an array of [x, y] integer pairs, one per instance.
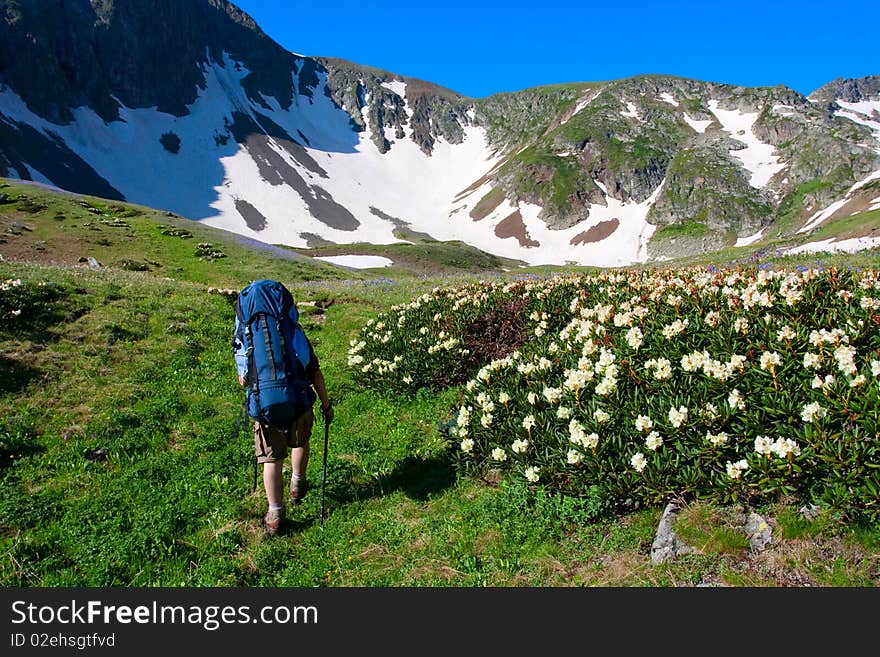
{"points": [[809, 511], [94, 264], [758, 532], [667, 546]]}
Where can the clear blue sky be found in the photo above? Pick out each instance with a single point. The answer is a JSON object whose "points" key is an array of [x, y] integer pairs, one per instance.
{"points": [[481, 48]]}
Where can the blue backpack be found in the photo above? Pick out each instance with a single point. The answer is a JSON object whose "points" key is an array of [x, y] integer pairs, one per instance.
{"points": [[278, 353]]}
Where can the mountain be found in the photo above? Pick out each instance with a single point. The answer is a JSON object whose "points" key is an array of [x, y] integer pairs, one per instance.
{"points": [[188, 106]]}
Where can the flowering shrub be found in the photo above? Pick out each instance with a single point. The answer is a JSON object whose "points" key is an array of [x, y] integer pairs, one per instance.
{"points": [[726, 385], [26, 306], [438, 340]]}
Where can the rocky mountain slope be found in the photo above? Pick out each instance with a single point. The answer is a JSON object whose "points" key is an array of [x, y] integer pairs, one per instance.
{"points": [[187, 105]]}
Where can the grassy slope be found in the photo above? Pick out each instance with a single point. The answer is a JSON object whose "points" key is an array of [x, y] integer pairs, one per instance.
{"points": [[137, 368]]}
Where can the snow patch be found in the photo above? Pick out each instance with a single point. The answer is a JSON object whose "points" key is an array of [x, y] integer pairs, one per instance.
{"points": [[758, 158], [751, 239], [632, 112], [784, 110], [357, 261], [699, 126], [852, 245], [397, 86], [626, 245], [667, 97], [864, 112], [866, 107]]}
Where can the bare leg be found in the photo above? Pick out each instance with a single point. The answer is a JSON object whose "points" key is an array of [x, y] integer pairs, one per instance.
{"points": [[273, 481], [299, 459]]}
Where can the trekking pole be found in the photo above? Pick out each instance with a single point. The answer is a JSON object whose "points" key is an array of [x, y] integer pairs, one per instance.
{"points": [[324, 468], [241, 416]]}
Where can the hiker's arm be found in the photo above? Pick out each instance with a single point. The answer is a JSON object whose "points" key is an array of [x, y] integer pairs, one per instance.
{"points": [[321, 388]]}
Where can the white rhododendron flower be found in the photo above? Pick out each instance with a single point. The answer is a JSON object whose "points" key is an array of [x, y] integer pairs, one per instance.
{"points": [[845, 357], [875, 367], [601, 416], [467, 445], [663, 369], [532, 473], [606, 386], [713, 318], [499, 454], [573, 457], [486, 420], [710, 411], [552, 395], [741, 325], [735, 400], [644, 423], [811, 360], [784, 447], [763, 445], [563, 412], [576, 432], [528, 422], [785, 333], [769, 360], [675, 328], [634, 337], [520, 445], [692, 362], [735, 470], [653, 441], [638, 461], [590, 440], [677, 416], [503, 397], [813, 411], [717, 438]]}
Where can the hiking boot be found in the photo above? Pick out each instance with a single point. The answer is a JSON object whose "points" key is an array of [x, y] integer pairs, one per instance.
{"points": [[273, 521], [298, 489]]}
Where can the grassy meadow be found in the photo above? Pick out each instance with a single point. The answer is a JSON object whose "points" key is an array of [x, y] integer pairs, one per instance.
{"points": [[119, 465]]}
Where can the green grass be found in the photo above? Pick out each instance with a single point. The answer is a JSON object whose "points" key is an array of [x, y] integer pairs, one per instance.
{"points": [[790, 212], [119, 467], [425, 257]]}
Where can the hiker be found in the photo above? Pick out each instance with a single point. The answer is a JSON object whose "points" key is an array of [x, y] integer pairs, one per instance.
{"points": [[271, 441]]}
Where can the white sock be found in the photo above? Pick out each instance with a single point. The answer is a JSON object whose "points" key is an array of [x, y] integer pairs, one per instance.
{"points": [[296, 476], [276, 507]]}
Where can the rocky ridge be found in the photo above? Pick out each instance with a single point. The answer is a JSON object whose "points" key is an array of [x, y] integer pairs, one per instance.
{"points": [[711, 163]]}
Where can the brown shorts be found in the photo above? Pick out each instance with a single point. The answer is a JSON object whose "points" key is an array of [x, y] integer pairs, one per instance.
{"points": [[271, 444]]}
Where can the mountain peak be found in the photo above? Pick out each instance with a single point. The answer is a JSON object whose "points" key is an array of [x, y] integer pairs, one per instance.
{"points": [[851, 90]]}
